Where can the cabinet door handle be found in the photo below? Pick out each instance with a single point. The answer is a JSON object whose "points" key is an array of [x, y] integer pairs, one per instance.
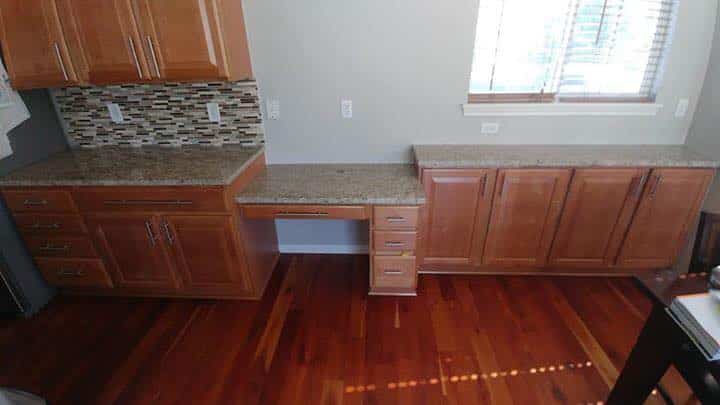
{"points": [[70, 273], [658, 179], [60, 60], [395, 220], [394, 244], [135, 57], [150, 233], [152, 55], [50, 248], [502, 187], [168, 233], [484, 186], [34, 202], [38, 225], [641, 183], [392, 272]]}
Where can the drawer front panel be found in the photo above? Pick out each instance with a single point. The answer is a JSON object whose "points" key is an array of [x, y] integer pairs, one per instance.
{"points": [[39, 201], [394, 272], [48, 224], [355, 212], [395, 217], [60, 246], [394, 241], [74, 272], [208, 199]]}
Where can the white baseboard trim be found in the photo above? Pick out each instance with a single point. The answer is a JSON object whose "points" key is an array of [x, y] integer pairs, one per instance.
{"points": [[324, 249]]}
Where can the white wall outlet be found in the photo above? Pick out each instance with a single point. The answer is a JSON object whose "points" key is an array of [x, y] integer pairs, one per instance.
{"points": [[116, 115], [273, 109], [346, 108], [682, 108], [213, 110], [489, 128]]}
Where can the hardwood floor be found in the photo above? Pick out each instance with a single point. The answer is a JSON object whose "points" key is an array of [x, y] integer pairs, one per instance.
{"points": [[317, 338]]}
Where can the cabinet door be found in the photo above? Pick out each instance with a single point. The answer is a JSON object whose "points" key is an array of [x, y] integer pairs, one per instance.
{"points": [[183, 39], [457, 213], [668, 208], [134, 251], [109, 41], [206, 252], [597, 213], [524, 216], [34, 47]]}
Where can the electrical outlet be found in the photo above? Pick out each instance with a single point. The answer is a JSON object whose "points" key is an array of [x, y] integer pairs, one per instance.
{"points": [[346, 109], [213, 110], [116, 114], [273, 109], [682, 108], [489, 128]]}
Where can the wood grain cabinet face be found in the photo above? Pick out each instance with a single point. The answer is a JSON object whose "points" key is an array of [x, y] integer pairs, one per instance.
{"points": [[34, 45], [666, 211], [206, 253], [110, 43], [184, 38], [134, 252], [457, 213], [597, 213], [525, 213]]}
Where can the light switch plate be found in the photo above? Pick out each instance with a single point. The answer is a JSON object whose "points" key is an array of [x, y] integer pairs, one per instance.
{"points": [[213, 110], [116, 115], [489, 128], [273, 109], [346, 108], [682, 108]]}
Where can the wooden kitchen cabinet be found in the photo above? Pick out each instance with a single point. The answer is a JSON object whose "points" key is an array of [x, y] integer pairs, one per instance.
{"points": [[34, 45], [134, 251], [205, 251], [668, 207], [195, 39], [109, 46], [597, 213], [525, 213], [458, 209]]}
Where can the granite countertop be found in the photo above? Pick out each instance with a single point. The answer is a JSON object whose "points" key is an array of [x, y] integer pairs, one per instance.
{"points": [[326, 184], [145, 166], [469, 156]]}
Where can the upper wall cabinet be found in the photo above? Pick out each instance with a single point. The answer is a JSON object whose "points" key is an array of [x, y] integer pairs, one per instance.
{"points": [[55, 43], [35, 48], [109, 46], [189, 39]]}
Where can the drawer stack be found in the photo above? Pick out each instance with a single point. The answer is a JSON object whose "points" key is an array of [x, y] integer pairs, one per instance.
{"points": [[57, 238], [393, 268]]}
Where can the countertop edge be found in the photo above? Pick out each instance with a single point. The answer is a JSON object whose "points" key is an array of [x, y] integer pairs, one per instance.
{"points": [[295, 201]]}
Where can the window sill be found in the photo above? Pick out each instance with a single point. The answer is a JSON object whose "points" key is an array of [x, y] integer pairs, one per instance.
{"points": [[561, 109]]}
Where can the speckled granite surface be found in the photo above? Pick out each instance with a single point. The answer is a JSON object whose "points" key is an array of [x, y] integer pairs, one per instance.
{"points": [[146, 166], [467, 156], [389, 184]]}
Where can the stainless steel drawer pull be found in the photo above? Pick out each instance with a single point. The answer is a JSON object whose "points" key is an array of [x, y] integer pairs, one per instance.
{"points": [[135, 58], [154, 57], [395, 219], [60, 61], [394, 244], [70, 273], [148, 202], [392, 272], [35, 202], [168, 233], [38, 225], [50, 248], [302, 214], [150, 233]]}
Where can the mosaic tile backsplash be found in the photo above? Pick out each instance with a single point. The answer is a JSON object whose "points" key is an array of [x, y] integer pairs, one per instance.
{"points": [[171, 114]]}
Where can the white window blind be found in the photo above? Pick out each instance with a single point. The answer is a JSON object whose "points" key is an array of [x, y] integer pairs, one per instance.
{"points": [[595, 49]]}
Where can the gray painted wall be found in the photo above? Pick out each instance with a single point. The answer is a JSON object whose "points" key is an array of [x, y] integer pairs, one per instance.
{"points": [[406, 65], [35, 139]]}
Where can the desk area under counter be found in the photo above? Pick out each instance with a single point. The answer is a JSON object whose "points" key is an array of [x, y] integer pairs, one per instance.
{"points": [[389, 196]]}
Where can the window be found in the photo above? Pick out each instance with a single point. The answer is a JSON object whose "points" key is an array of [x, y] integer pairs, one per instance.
{"points": [[570, 50]]}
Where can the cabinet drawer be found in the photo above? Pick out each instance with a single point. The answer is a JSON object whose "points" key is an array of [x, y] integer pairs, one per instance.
{"points": [[206, 199], [393, 272], [60, 246], [395, 217], [357, 212], [394, 241], [74, 272], [48, 224], [39, 201]]}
